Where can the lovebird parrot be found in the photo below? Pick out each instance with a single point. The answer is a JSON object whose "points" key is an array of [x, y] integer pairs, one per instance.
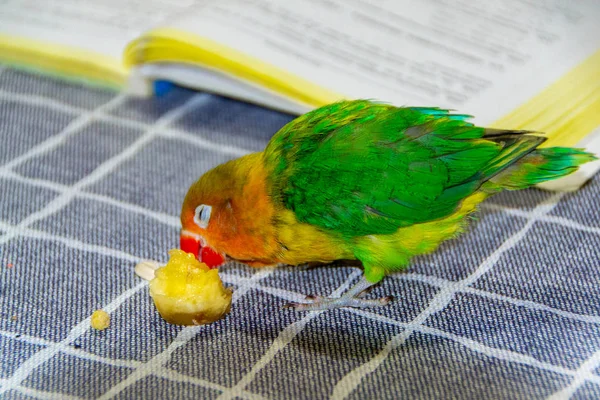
{"points": [[360, 181]]}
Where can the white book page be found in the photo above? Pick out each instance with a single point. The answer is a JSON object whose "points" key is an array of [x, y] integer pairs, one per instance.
{"points": [[101, 26], [214, 81], [478, 57]]}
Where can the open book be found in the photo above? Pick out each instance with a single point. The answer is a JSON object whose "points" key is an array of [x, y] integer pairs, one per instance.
{"points": [[514, 64]]}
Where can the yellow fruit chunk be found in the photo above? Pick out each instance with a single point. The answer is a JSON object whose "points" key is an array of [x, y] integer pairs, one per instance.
{"points": [[100, 320], [187, 292]]}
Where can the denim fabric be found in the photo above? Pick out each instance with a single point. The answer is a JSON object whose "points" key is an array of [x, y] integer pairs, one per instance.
{"points": [[91, 183]]}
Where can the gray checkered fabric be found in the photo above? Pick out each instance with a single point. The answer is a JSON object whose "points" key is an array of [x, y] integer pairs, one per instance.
{"points": [[91, 183]]}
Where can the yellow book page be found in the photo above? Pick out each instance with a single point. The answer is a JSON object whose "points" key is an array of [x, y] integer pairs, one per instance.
{"points": [[168, 45], [79, 39], [566, 111], [67, 62]]}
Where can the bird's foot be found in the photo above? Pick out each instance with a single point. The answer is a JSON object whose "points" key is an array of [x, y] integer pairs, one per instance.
{"points": [[354, 298], [328, 303]]}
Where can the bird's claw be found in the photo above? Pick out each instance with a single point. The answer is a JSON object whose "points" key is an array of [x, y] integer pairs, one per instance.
{"points": [[354, 298], [313, 297], [326, 303], [366, 291]]}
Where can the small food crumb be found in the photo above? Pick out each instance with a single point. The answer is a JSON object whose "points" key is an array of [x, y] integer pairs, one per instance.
{"points": [[9, 265], [13, 318], [100, 320]]}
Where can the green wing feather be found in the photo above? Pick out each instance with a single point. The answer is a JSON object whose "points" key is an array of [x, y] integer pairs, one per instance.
{"points": [[361, 168]]}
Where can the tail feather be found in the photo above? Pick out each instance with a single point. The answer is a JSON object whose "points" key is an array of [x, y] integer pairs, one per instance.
{"points": [[542, 165], [515, 149]]}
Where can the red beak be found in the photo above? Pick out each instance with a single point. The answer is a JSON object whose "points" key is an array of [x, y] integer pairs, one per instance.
{"points": [[205, 254]]}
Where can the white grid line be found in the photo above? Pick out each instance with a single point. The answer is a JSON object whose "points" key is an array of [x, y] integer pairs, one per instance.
{"points": [[55, 205], [72, 351], [37, 182], [174, 221], [178, 377], [553, 219], [169, 374], [283, 294], [106, 167], [39, 394], [435, 281], [441, 282], [471, 344], [233, 279], [57, 105], [75, 126], [41, 357], [101, 115], [352, 380], [203, 143], [558, 220], [69, 242], [164, 373], [40, 101], [158, 361], [502, 354], [166, 219], [132, 258], [581, 375], [158, 216], [431, 280], [281, 341]]}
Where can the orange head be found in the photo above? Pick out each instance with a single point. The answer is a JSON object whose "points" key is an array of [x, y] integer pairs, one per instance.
{"points": [[227, 213]]}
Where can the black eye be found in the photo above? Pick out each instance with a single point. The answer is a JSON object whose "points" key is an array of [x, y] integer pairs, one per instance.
{"points": [[202, 215]]}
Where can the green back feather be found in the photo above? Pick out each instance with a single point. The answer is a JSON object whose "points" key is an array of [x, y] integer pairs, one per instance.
{"points": [[361, 168]]}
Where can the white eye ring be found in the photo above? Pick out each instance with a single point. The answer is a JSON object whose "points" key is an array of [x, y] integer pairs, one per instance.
{"points": [[202, 215]]}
